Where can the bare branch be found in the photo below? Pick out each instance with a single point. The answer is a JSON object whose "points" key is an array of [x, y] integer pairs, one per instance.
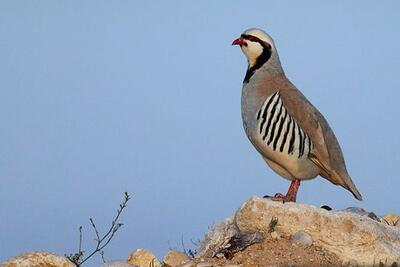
{"points": [[80, 239], [101, 241]]}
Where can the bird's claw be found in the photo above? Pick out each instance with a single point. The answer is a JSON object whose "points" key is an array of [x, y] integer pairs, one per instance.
{"points": [[281, 197]]}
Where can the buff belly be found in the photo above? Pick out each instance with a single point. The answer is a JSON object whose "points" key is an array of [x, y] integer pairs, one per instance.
{"points": [[289, 166]]}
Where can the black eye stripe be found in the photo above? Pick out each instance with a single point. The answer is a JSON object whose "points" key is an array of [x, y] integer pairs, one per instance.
{"points": [[255, 39], [251, 38]]}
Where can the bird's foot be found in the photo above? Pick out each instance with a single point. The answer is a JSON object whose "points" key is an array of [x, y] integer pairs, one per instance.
{"points": [[291, 194], [281, 197]]}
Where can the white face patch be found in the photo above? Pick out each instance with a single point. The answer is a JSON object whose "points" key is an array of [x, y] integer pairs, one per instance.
{"points": [[252, 51]]}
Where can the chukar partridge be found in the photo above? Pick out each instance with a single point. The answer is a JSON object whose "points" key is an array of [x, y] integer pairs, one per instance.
{"points": [[291, 135]]}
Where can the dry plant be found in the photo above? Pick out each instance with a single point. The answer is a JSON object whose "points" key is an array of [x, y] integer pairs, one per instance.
{"points": [[272, 224], [102, 241]]}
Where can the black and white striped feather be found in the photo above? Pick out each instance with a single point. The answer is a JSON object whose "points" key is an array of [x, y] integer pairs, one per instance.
{"points": [[280, 131]]}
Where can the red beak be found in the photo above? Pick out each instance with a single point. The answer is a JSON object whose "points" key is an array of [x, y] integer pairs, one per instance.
{"points": [[238, 41]]}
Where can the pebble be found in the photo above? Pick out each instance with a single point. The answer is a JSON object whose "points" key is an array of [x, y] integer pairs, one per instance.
{"points": [[276, 235], [175, 258], [302, 238], [120, 263], [351, 263], [143, 258], [220, 255], [205, 264]]}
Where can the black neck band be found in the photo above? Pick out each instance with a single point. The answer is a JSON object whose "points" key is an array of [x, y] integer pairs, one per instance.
{"points": [[264, 57]]}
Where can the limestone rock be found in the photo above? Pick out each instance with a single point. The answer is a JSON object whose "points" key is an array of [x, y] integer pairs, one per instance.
{"points": [[363, 212], [302, 238], [188, 264], [348, 235], [175, 258], [204, 264], [122, 263], [38, 259], [218, 235], [143, 258], [238, 243]]}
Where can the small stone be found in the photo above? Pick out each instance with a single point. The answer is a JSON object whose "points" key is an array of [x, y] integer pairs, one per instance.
{"points": [[351, 263], [174, 258], [325, 207], [302, 238], [143, 258], [276, 235], [362, 212], [220, 255], [38, 259], [188, 264], [205, 264], [122, 263]]}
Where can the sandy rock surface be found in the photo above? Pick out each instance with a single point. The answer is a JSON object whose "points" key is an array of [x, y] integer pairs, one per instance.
{"points": [[352, 237]]}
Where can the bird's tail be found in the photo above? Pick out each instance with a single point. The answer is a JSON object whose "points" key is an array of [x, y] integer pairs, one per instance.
{"points": [[346, 182], [341, 177]]}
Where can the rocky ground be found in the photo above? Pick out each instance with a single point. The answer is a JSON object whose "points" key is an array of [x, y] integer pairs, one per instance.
{"points": [[278, 252], [267, 233]]}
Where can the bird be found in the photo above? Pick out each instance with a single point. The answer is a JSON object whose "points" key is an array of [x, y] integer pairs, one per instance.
{"points": [[292, 136]]}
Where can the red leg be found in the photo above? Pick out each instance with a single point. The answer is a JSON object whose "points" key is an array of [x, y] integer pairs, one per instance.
{"points": [[290, 195]]}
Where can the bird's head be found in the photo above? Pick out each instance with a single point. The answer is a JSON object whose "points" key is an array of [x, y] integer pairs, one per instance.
{"points": [[254, 42], [259, 48]]}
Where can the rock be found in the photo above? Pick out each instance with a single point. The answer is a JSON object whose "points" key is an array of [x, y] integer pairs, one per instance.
{"points": [[301, 238], [351, 263], [391, 219], [326, 207], [346, 234], [218, 235], [237, 243], [122, 263], [188, 264], [174, 258], [276, 235], [363, 212], [204, 264], [38, 259], [143, 258]]}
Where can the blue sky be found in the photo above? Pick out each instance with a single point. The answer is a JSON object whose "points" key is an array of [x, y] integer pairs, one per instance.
{"points": [[99, 97]]}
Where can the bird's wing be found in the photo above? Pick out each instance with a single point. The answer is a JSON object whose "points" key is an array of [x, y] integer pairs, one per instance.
{"points": [[327, 154]]}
